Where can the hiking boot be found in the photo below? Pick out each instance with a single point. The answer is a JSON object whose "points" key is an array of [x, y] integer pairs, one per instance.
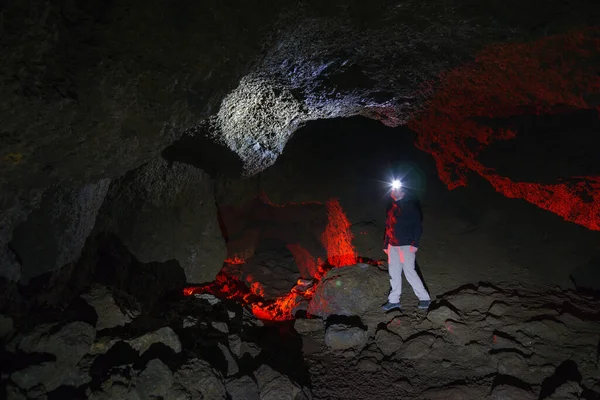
{"points": [[424, 304], [390, 306]]}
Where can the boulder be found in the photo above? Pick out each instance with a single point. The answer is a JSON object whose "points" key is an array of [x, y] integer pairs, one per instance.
{"points": [[68, 344], [54, 234], [273, 385], [164, 335], [196, 379], [341, 337], [232, 367], [242, 388], [154, 381], [103, 302], [164, 212], [350, 291]]}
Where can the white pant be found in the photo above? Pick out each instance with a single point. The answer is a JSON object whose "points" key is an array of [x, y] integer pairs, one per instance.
{"points": [[401, 258]]}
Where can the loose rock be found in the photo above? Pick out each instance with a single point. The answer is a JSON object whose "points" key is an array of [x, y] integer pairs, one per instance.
{"points": [[109, 314], [164, 335], [242, 388], [341, 336]]}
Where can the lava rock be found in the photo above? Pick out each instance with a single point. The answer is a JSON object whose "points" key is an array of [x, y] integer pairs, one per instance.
{"points": [[273, 385], [189, 321], [455, 393], [164, 335], [368, 364], [232, 367], [196, 379], [349, 291], [103, 302], [68, 344], [417, 347], [54, 234], [117, 385], [154, 381], [14, 393], [235, 344], [81, 373], [250, 348], [507, 392], [6, 327], [388, 342], [220, 326], [164, 212], [305, 326], [569, 390], [341, 336], [442, 314], [10, 268], [242, 388]]}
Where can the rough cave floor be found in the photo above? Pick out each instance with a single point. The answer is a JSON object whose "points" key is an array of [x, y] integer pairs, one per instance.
{"points": [[506, 321]]}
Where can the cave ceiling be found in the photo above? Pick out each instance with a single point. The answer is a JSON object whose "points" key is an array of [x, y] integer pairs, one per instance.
{"points": [[92, 90]]}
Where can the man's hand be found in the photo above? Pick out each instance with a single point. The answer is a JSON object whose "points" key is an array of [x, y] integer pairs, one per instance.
{"points": [[385, 251], [413, 249]]}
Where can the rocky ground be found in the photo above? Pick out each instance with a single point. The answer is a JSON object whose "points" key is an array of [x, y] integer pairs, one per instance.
{"points": [[475, 342]]}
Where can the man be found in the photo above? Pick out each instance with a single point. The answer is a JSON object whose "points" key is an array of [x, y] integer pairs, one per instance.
{"points": [[401, 242]]}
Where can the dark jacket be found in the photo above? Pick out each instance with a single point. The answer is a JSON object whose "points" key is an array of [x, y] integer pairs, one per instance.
{"points": [[403, 224]]}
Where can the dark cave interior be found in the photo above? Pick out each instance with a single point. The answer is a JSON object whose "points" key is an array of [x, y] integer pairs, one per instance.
{"points": [[207, 222]]}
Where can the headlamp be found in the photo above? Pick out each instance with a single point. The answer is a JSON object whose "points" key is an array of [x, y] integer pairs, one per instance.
{"points": [[396, 184]]}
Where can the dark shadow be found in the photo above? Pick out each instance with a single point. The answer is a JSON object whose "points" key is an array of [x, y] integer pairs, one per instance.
{"points": [[119, 354], [161, 351], [350, 320], [586, 277], [565, 372], [501, 379], [149, 283], [277, 339], [418, 270], [222, 225], [198, 149], [443, 303], [588, 394], [68, 392], [568, 147], [12, 362], [509, 350]]}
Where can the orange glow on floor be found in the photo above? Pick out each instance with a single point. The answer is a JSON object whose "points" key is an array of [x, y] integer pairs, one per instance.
{"points": [[337, 241], [546, 76], [235, 260]]}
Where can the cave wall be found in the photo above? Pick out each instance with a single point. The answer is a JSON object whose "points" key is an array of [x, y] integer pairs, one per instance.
{"points": [[91, 91], [470, 234]]}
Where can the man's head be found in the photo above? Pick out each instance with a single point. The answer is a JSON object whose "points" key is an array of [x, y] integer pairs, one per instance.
{"points": [[398, 194]]}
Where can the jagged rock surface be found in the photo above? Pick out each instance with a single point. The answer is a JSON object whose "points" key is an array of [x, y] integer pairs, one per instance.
{"points": [[107, 108], [218, 357], [479, 341]]}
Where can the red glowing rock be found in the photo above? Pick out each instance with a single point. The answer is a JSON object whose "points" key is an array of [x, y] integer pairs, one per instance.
{"points": [[552, 73]]}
